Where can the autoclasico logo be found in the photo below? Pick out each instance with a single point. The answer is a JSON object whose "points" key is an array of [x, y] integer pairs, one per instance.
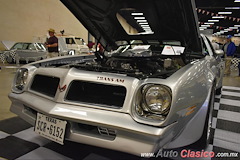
{"points": [[196, 154], [167, 154], [184, 154]]}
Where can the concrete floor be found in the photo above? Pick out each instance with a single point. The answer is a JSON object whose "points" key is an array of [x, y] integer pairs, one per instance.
{"points": [[233, 79], [6, 77], [7, 73]]}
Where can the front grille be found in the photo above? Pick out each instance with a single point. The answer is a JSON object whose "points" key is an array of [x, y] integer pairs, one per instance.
{"points": [[45, 85], [95, 93], [94, 131], [107, 131]]}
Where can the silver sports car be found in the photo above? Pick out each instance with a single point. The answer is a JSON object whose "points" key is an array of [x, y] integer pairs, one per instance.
{"points": [[150, 85]]}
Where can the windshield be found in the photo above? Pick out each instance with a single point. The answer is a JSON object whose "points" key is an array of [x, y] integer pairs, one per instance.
{"points": [[29, 46], [20, 46], [40, 46], [79, 41]]}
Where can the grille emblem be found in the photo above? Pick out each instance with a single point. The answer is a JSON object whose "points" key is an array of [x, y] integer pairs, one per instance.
{"points": [[61, 89]]}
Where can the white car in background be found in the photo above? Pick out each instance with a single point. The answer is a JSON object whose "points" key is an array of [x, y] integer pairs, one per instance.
{"points": [[25, 51], [73, 43], [67, 44]]}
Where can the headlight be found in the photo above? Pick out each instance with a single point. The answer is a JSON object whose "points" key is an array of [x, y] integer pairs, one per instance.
{"points": [[20, 79], [153, 101], [157, 99]]}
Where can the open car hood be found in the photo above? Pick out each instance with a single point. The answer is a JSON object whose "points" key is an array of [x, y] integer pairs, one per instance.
{"points": [[173, 20]]}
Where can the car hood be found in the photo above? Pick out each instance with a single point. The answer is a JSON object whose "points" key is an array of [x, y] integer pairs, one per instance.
{"points": [[169, 20]]}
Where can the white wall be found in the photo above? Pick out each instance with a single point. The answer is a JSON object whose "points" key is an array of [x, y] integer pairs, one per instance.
{"points": [[21, 20]]}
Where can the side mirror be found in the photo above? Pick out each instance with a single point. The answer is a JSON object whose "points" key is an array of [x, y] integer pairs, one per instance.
{"points": [[219, 52]]}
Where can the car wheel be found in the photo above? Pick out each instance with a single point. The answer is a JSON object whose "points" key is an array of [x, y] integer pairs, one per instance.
{"points": [[9, 59], [207, 135]]}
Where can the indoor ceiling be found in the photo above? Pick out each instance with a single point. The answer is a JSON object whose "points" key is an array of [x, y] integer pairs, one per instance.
{"points": [[210, 16]]}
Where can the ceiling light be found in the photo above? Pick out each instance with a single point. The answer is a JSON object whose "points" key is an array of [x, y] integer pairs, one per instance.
{"points": [[146, 27], [236, 25], [140, 20], [215, 17], [233, 27], [213, 20], [209, 23], [205, 25], [139, 17], [148, 30], [232, 7], [237, 1], [137, 14], [223, 32], [143, 23], [224, 12]]}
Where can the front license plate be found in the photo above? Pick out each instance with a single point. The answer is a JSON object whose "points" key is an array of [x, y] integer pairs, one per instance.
{"points": [[51, 128]]}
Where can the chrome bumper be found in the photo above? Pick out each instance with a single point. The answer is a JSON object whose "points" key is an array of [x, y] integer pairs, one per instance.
{"points": [[113, 130]]}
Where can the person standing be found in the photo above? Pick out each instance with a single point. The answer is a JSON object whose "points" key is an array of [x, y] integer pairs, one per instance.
{"points": [[52, 44], [229, 50]]}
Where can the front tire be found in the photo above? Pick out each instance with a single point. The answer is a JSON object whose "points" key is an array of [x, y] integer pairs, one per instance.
{"points": [[9, 59]]}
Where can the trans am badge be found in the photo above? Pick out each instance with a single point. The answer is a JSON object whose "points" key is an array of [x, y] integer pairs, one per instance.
{"points": [[109, 79]]}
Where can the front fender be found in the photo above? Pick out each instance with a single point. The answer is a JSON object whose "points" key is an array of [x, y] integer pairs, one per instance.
{"points": [[191, 96]]}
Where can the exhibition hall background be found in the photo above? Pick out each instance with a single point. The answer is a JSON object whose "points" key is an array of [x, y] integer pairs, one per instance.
{"points": [[22, 20]]}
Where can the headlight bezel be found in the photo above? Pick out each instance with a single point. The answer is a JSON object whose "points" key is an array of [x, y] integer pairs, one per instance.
{"points": [[157, 88], [20, 80], [141, 108]]}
